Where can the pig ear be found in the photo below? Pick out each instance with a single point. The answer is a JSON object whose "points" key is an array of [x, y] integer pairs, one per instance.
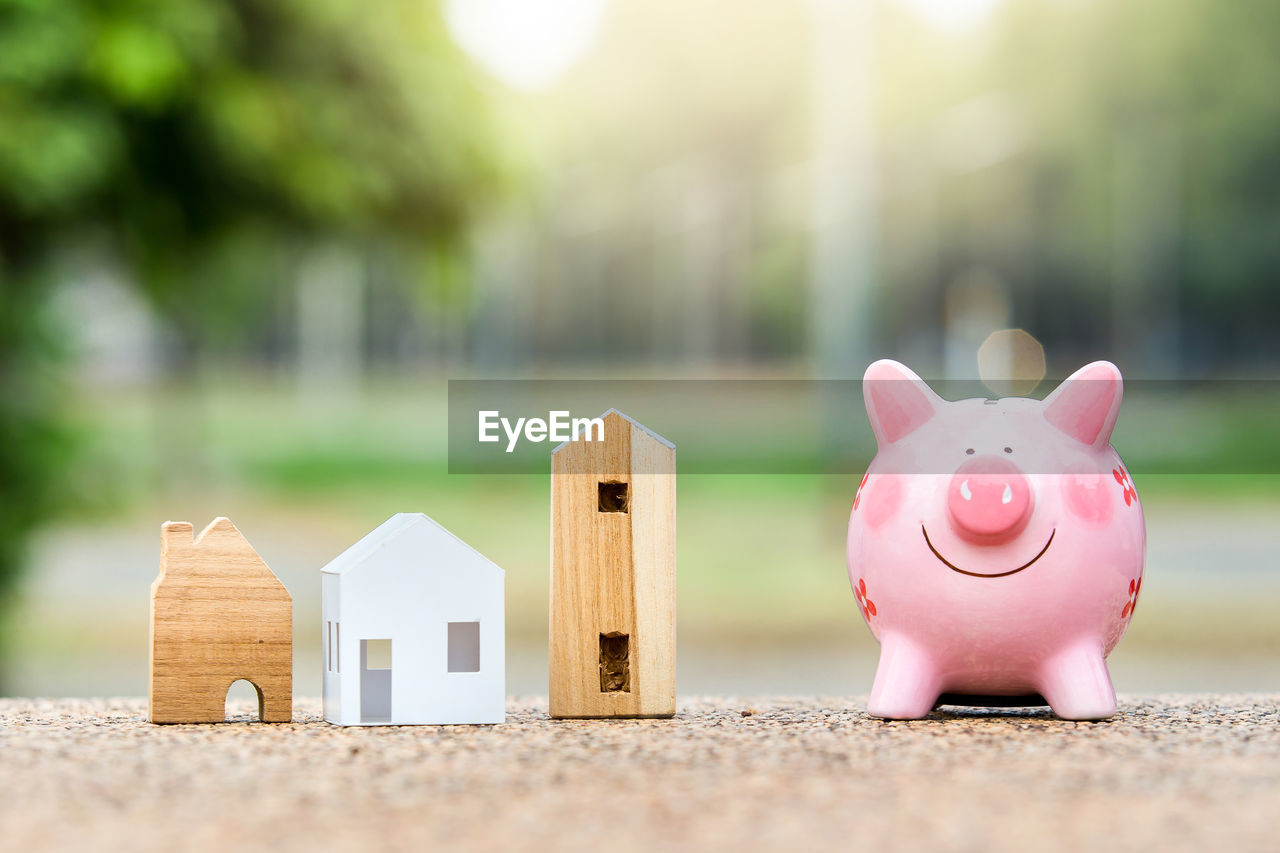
{"points": [[1086, 404], [898, 401]]}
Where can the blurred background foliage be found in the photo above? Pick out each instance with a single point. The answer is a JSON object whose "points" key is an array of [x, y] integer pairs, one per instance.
{"points": [[195, 148], [243, 244]]}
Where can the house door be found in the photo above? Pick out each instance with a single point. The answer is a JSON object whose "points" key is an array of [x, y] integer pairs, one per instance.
{"points": [[375, 681]]}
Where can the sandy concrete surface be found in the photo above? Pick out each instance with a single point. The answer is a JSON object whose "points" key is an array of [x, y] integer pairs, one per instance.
{"points": [[1184, 772]]}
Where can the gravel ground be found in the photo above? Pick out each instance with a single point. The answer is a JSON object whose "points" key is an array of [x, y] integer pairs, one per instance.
{"points": [[1171, 772]]}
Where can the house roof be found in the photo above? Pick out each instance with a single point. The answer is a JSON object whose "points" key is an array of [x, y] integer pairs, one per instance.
{"points": [[635, 423], [220, 549], [390, 529]]}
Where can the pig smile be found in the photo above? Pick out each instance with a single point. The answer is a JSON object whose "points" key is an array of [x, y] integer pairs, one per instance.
{"points": [[953, 567]]}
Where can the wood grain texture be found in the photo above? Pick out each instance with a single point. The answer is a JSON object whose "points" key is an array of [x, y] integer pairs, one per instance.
{"points": [[613, 573], [218, 614], [653, 547]]}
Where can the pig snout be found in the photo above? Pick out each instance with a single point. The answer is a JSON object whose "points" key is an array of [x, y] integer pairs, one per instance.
{"points": [[989, 500]]}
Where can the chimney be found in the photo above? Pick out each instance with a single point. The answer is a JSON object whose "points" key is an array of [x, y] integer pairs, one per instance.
{"points": [[175, 537]]}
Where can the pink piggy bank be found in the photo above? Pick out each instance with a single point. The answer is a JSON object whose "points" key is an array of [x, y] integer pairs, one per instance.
{"points": [[995, 546]]}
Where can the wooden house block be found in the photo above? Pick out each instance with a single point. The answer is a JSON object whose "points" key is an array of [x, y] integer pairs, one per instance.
{"points": [[218, 614], [413, 629], [613, 574]]}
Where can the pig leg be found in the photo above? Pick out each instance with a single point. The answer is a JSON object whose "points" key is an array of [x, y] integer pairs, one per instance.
{"points": [[1077, 686], [907, 685]]}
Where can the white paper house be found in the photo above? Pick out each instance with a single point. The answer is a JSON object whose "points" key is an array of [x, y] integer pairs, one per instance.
{"points": [[413, 629]]}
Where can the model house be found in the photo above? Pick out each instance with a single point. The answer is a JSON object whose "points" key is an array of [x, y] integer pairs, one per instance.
{"points": [[413, 629], [613, 573], [218, 615]]}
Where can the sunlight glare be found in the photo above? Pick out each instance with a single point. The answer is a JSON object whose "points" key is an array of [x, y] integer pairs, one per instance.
{"points": [[956, 16], [528, 44]]}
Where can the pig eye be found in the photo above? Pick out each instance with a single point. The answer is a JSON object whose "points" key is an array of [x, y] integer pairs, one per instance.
{"points": [[969, 452], [1008, 450]]}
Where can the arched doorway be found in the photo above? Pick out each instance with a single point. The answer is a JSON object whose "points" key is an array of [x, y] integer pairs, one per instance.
{"points": [[242, 697]]}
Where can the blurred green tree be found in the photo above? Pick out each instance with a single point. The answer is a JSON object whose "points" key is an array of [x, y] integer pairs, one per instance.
{"points": [[199, 141]]}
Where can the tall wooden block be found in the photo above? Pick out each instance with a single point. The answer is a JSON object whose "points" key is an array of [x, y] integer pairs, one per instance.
{"points": [[613, 574], [218, 614]]}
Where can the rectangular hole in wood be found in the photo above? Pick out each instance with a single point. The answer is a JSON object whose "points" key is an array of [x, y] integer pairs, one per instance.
{"points": [[615, 662], [613, 498]]}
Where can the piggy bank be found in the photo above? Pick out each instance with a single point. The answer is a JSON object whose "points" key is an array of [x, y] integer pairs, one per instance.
{"points": [[995, 547]]}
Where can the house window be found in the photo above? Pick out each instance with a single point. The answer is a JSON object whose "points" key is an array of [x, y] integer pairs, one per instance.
{"points": [[377, 654], [331, 647], [464, 646], [615, 662], [613, 497]]}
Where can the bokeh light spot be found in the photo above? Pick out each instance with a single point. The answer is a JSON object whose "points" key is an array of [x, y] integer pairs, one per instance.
{"points": [[528, 44], [1011, 362]]}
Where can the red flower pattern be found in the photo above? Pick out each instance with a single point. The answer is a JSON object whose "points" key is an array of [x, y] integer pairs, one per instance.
{"points": [[857, 497], [1135, 586], [1122, 477], [866, 605]]}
